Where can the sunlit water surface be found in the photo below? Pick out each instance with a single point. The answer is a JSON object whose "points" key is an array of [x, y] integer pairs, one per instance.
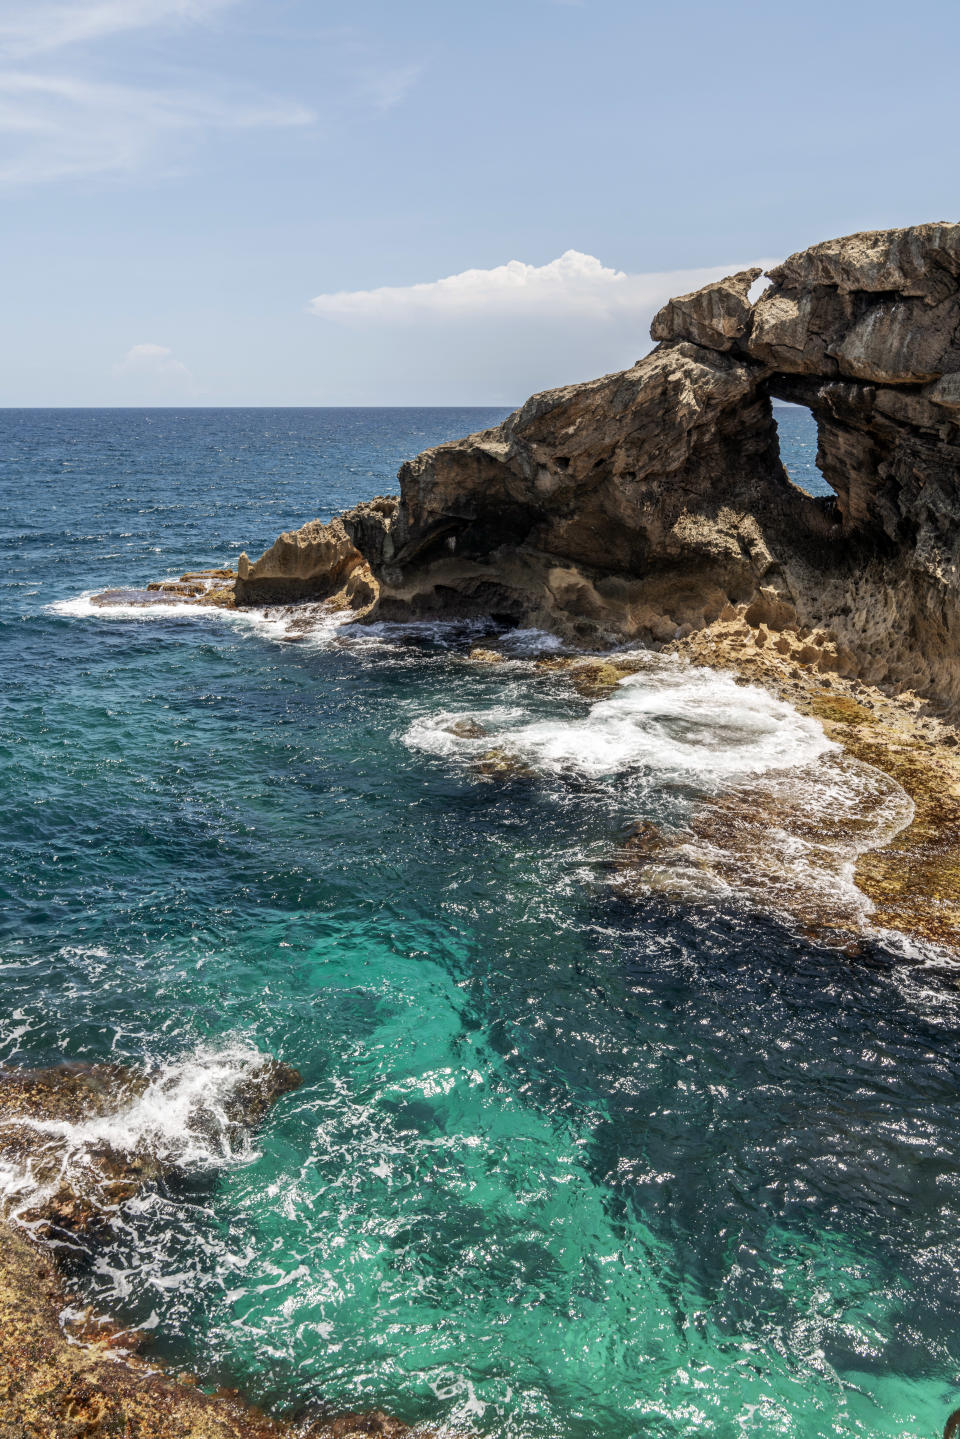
{"points": [[560, 1164]]}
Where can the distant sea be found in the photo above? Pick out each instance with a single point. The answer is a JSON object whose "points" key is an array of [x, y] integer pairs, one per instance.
{"points": [[562, 1164]]}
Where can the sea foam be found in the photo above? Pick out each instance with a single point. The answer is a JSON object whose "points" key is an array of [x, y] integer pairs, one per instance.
{"points": [[181, 1119], [672, 721]]}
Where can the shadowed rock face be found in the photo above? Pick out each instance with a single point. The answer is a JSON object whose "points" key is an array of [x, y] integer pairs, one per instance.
{"points": [[647, 504]]}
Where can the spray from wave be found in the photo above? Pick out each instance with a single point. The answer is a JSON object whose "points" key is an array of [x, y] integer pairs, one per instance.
{"points": [[187, 1114], [732, 794]]}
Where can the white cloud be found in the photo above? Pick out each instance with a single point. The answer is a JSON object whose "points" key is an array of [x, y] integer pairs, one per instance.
{"points": [[153, 362], [30, 29], [493, 336], [575, 286], [56, 126]]}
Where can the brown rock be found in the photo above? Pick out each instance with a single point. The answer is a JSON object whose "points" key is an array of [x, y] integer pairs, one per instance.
{"points": [[90, 1384], [716, 316], [315, 562], [466, 729], [78, 1189], [502, 764], [645, 505]]}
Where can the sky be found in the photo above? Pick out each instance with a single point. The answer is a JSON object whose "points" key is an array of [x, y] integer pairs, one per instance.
{"points": [[403, 202]]}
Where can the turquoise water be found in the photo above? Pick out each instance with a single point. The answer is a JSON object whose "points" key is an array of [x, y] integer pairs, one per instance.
{"points": [[561, 1164]]}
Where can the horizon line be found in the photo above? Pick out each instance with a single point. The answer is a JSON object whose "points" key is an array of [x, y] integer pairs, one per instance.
{"points": [[473, 405]]}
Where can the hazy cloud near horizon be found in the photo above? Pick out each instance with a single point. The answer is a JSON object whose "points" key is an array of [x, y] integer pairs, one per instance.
{"points": [[504, 332], [573, 285]]}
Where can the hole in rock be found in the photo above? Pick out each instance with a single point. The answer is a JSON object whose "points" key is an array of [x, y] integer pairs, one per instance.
{"points": [[798, 447]]}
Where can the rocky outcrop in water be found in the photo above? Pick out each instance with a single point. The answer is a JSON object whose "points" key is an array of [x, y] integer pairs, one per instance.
{"points": [[317, 562], [64, 1375], [647, 504], [74, 1133]]}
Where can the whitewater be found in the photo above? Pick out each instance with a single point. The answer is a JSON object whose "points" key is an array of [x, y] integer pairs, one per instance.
{"points": [[570, 1156]]}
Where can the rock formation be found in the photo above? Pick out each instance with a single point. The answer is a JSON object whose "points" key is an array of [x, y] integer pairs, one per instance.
{"points": [[316, 562], [646, 504], [74, 1177]]}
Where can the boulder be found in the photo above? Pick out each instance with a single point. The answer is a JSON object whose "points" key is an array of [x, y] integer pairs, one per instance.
{"points": [[76, 1173], [716, 316], [316, 562]]}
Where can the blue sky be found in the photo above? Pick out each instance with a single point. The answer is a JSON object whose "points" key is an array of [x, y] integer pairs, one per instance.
{"points": [[253, 201]]}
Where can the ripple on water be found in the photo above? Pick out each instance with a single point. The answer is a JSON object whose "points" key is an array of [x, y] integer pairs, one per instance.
{"points": [[560, 1164]]}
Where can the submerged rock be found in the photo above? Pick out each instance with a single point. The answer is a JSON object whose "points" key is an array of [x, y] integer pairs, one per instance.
{"points": [[466, 729], [502, 764], [74, 1172]]}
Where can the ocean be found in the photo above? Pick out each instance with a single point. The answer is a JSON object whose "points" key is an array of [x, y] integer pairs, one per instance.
{"points": [[563, 1163]]}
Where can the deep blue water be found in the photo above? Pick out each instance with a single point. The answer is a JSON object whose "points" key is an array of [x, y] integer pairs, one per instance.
{"points": [[562, 1163], [798, 448]]}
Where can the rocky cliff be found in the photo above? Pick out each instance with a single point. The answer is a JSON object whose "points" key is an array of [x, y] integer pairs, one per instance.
{"points": [[648, 504]]}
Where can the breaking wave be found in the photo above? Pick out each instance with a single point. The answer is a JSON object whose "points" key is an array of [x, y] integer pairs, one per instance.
{"points": [[672, 721], [737, 794], [182, 1119]]}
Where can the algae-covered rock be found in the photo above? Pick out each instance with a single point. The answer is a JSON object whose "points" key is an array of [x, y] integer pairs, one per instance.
{"points": [[87, 1381], [502, 764], [73, 1134]]}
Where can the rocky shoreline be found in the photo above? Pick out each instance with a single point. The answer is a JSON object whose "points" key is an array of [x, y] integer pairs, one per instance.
{"points": [[64, 1376], [651, 508], [646, 511]]}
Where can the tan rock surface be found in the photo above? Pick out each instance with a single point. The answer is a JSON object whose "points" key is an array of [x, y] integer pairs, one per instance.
{"points": [[716, 316], [315, 562]]}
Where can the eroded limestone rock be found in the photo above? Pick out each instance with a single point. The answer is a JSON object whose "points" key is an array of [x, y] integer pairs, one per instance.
{"points": [[645, 505], [716, 316], [316, 562]]}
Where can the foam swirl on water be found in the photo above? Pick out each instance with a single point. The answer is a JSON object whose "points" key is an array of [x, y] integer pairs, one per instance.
{"points": [[672, 721], [184, 1118], [764, 807]]}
